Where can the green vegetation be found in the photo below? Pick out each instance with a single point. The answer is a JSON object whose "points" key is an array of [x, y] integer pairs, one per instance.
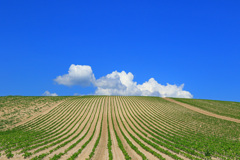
{"points": [[110, 156], [224, 108], [132, 145], [75, 155], [98, 139], [136, 127], [125, 153], [190, 131], [27, 154], [14, 108]]}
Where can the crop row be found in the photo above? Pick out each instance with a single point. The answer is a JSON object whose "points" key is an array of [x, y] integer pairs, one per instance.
{"points": [[142, 127]]}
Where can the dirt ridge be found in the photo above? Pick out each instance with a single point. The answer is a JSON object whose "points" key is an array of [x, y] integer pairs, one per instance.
{"points": [[203, 111]]}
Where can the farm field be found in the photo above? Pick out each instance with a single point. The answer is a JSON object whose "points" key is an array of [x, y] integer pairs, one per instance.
{"points": [[225, 108], [122, 127], [15, 109]]}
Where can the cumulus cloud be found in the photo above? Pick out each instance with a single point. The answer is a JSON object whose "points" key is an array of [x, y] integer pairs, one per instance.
{"points": [[77, 75], [117, 83], [47, 93], [120, 83], [153, 88]]}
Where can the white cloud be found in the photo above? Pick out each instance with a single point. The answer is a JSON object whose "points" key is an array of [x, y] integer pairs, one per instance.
{"points": [[117, 83], [77, 75], [153, 88], [120, 83], [47, 93]]}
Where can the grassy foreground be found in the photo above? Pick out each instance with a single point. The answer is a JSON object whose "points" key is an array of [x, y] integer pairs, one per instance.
{"points": [[119, 127]]}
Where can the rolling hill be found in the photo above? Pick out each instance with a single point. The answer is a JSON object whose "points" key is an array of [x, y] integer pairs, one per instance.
{"points": [[118, 127]]}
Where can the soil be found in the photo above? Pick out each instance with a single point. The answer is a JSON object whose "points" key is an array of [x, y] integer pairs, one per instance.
{"points": [[146, 153], [116, 151], [203, 111], [102, 150], [130, 151]]}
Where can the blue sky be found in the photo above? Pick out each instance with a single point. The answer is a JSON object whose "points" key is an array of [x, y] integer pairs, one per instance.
{"points": [[196, 43]]}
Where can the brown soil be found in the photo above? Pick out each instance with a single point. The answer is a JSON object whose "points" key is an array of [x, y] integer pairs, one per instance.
{"points": [[146, 153], [61, 114], [117, 153], [148, 135], [80, 128], [88, 149], [162, 124], [63, 132], [79, 145], [44, 111], [130, 151], [203, 111], [17, 113], [102, 150]]}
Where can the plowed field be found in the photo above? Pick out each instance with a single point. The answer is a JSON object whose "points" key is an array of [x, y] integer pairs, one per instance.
{"points": [[117, 127]]}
